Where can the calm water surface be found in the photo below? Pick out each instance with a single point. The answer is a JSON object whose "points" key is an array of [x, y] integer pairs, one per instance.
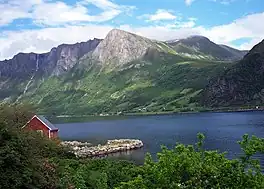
{"points": [[222, 131]]}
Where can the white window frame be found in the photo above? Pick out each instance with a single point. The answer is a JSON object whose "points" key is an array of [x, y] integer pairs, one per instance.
{"points": [[40, 131]]}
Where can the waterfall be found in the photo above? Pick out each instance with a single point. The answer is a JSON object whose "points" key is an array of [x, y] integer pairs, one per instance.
{"points": [[33, 75], [31, 78]]}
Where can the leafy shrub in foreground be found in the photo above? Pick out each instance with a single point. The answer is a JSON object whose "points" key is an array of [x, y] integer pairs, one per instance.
{"points": [[193, 167], [24, 155], [28, 160]]}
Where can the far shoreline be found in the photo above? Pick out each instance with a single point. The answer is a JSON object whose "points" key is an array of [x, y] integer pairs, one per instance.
{"points": [[90, 118]]}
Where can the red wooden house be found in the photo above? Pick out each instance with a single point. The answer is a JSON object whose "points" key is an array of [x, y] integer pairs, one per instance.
{"points": [[43, 126]]}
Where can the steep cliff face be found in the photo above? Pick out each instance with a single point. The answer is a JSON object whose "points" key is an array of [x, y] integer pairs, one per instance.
{"points": [[120, 47], [26, 70], [64, 57], [21, 66], [59, 60], [240, 85]]}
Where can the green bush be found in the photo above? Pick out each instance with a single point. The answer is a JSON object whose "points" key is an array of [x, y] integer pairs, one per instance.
{"points": [[94, 174], [28, 160], [24, 155], [15, 115], [193, 167]]}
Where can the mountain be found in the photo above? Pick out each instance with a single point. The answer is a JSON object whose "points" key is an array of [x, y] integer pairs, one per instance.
{"points": [[25, 69], [202, 47], [120, 47], [242, 84], [122, 73], [55, 62], [235, 52]]}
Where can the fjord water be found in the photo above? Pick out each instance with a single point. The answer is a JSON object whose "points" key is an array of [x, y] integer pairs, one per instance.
{"points": [[222, 131]]}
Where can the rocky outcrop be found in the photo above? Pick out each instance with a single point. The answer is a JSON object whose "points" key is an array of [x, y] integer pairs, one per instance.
{"points": [[84, 149], [73, 144], [64, 57], [120, 47], [26, 71], [58, 61], [21, 66], [242, 84]]}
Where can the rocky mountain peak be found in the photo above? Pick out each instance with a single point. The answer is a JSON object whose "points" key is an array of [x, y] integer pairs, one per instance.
{"points": [[206, 47], [115, 31], [198, 38], [197, 41], [120, 47]]}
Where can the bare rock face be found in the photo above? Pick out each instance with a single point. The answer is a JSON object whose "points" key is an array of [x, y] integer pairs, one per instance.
{"points": [[120, 47], [58, 61], [24, 70], [66, 56], [21, 66]]}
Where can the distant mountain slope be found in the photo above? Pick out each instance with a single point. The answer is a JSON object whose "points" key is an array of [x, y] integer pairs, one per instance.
{"points": [[55, 62], [156, 82], [122, 73], [240, 85], [202, 47], [25, 70]]}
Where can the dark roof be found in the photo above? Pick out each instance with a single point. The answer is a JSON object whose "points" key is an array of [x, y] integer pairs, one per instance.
{"points": [[46, 122]]}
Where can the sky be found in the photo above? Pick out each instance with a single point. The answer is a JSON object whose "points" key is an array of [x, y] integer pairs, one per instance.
{"points": [[39, 25]]}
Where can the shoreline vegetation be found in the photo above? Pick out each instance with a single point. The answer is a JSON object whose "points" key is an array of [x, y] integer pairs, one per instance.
{"points": [[109, 116], [29, 160]]}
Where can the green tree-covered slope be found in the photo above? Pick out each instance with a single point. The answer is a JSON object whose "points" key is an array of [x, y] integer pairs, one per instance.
{"points": [[122, 73], [242, 84], [157, 82]]}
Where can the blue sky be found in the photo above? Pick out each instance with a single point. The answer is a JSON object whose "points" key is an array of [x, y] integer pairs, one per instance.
{"points": [[39, 25]]}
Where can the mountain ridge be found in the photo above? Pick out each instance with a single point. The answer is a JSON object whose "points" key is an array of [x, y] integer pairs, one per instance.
{"points": [[121, 47], [57, 60], [122, 73], [205, 47], [132, 34]]}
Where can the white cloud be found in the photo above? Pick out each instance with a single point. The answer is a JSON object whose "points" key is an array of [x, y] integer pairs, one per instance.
{"points": [[64, 13], [160, 14], [189, 2], [51, 13], [250, 44], [14, 9], [162, 33], [187, 24], [42, 40], [10, 14], [245, 27], [224, 2]]}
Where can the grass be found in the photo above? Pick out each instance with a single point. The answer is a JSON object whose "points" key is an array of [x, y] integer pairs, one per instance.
{"points": [[159, 82]]}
